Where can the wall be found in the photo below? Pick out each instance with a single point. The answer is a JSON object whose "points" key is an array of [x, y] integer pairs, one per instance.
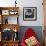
{"points": [[34, 3], [26, 3]]}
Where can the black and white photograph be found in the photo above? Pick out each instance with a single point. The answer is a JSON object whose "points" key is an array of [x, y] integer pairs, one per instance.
{"points": [[29, 13]]}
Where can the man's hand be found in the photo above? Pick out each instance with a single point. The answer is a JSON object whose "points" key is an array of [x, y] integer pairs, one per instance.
{"points": [[31, 41]]}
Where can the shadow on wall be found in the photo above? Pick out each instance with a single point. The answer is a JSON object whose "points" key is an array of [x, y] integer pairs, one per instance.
{"points": [[37, 29]]}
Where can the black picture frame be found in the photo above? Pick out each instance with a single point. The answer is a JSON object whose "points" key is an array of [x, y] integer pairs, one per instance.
{"points": [[29, 13]]}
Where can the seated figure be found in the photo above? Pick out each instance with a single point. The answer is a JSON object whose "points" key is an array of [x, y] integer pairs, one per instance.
{"points": [[30, 38]]}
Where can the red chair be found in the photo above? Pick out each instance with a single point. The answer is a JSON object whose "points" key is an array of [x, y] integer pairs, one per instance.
{"points": [[29, 33]]}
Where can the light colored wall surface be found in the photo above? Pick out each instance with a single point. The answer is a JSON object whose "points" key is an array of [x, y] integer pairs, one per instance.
{"points": [[26, 3], [34, 3]]}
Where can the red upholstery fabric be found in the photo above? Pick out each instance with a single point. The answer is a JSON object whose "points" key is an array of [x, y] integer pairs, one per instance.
{"points": [[29, 33]]}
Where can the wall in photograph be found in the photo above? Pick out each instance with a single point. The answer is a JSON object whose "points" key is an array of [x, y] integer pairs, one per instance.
{"points": [[27, 3]]}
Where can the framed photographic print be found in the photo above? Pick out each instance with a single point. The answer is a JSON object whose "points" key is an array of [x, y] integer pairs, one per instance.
{"points": [[29, 13], [13, 12], [5, 12]]}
